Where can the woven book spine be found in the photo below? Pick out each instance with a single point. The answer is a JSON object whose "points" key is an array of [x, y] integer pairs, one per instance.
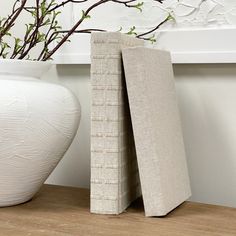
{"points": [[114, 172]]}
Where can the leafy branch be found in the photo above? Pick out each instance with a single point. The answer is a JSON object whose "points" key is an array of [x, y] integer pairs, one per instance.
{"points": [[45, 31], [10, 20]]}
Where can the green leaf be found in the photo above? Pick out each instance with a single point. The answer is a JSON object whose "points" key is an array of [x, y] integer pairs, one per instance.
{"points": [[152, 39], [17, 44], [84, 16], [132, 31], [139, 6], [170, 17]]}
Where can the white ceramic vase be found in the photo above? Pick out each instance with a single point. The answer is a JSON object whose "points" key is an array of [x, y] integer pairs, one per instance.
{"points": [[38, 121]]}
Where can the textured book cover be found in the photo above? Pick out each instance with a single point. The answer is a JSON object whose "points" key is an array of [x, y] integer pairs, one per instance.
{"points": [[157, 129], [114, 173]]}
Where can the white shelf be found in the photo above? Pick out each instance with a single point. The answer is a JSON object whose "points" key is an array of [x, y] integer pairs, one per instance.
{"points": [[203, 57], [177, 58], [82, 59], [187, 46]]}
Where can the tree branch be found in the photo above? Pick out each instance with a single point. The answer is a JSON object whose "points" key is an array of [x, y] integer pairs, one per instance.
{"points": [[45, 15], [13, 19], [73, 29], [85, 15], [66, 2], [152, 30]]}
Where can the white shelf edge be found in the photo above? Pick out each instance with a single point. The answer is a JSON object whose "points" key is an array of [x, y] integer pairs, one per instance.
{"points": [[203, 57], [80, 59]]}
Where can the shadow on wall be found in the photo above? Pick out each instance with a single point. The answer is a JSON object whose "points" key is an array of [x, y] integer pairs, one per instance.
{"points": [[207, 98], [74, 169]]}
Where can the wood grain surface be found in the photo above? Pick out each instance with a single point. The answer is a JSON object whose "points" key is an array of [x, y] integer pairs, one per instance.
{"points": [[65, 211]]}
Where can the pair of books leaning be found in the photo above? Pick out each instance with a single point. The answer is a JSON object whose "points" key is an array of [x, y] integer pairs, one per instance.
{"points": [[137, 144]]}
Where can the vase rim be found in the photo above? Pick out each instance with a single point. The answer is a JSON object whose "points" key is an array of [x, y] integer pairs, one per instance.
{"points": [[27, 68]]}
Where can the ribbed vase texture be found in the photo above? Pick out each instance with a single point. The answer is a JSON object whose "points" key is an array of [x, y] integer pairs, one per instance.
{"points": [[38, 122]]}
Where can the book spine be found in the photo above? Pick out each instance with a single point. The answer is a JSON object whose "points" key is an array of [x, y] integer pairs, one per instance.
{"points": [[114, 175]]}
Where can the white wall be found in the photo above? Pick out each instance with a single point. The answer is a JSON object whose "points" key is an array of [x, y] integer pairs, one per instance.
{"points": [[207, 99]]}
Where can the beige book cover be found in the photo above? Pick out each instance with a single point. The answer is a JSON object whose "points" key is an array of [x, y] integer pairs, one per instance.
{"points": [[157, 129]]}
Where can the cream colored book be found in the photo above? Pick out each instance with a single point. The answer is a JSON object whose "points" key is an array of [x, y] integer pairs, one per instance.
{"points": [[114, 173], [157, 129]]}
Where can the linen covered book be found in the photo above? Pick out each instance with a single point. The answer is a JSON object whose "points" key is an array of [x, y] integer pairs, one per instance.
{"points": [[157, 129], [114, 173]]}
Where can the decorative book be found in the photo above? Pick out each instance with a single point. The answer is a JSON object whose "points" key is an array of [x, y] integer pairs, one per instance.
{"points": [[157, 129], [114, 173]]}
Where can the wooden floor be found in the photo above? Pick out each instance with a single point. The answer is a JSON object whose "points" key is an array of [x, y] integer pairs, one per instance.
{"points": [[65, 211]]}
